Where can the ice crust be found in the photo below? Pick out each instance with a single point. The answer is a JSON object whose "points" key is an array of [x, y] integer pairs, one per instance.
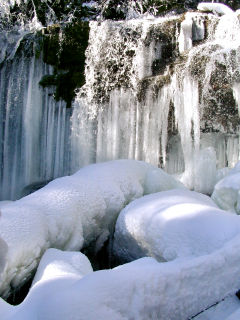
{"points": [[172, 224], [69, 213], [140, 290]]}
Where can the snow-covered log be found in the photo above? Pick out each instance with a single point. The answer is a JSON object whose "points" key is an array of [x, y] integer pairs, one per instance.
{"points": [[70, 213]]}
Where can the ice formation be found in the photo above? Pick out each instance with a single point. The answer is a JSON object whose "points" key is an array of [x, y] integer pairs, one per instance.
{"points": [[226, 192], [138, 96], [69, 213], [172, 224], [143, 289], [35, 128], [217, 8]]}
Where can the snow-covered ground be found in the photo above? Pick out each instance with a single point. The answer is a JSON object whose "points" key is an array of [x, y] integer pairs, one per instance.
{"points": [[70, 213], [222, 310], [168, 223], [140, 290]]}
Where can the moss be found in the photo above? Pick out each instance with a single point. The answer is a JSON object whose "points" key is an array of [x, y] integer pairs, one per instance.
{"points": [[65, 50]]}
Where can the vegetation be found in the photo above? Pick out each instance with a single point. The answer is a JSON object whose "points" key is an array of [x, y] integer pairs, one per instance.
{"points": [[65, 50]]}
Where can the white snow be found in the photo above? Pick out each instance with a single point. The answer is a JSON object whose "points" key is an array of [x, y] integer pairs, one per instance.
{"points": [[172, 224], [69, 213], [56, 264], [234, 316], [220, 311], [4, 203], [143, 289], [226, 192], [216, 8]]}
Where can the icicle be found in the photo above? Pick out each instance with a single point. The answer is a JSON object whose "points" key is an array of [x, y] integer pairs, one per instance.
{"points": [[185, 37]]}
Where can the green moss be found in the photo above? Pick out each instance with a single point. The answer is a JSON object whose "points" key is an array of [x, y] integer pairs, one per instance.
{"points": [[65, 50]]}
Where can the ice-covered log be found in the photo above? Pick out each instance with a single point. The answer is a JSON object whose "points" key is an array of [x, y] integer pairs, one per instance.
{"points": [[143, 289], [70, 213], [172, 224]]}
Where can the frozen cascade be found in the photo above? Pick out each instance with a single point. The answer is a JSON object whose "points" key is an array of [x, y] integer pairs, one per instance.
{"points": [[35, 128], [135, 106], [162, 90]]}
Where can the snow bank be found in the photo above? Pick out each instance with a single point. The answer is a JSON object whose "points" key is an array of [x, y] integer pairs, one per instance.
{"points": [[143, 289], [172, 224], [216, 8], [70, 213], [226, 192]]}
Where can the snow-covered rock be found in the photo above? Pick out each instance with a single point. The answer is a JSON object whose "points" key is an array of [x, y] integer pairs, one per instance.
{"points": [[69, 213], [143, 289], [216, 8], [172, 224], [56, 264]]}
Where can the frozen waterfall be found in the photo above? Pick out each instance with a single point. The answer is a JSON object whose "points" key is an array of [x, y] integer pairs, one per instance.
{"points": [[138, 105], [34, 131], [164, 90]]}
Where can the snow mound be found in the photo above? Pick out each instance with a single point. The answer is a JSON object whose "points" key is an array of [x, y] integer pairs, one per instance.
{"points": [[172, 224], [143, 289], [56, 263], [70, 213], [226, 192], [216, 8]]}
